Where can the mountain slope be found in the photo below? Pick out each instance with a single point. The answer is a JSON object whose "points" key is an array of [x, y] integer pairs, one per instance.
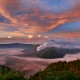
{"points": [[7, 74], [60, 71], [57, 49], [53, 52], [59, 44]]}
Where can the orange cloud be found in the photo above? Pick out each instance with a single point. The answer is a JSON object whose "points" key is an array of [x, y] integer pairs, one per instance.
{"points": [[68, 35], [35, 20]]}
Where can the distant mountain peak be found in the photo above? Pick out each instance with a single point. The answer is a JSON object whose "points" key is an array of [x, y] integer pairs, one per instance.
{"points": [[58, 44], [51, 41]]}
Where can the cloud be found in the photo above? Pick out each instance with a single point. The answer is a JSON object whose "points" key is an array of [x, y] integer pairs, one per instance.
{"points": [[69, 35], [29, 16]]}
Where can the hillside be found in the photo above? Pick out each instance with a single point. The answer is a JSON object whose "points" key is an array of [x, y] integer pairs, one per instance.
{"points": [[59, 44], [55, 71], [54, 52], [60, 71], [7, 74], [57, 49]]}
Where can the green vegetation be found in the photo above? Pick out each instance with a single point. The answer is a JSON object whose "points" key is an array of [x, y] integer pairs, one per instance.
{"points": [[60, 71], [55, 71], [8, 74]]}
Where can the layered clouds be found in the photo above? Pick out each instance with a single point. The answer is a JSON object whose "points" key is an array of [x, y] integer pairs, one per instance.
{"points": [[23, 17]]}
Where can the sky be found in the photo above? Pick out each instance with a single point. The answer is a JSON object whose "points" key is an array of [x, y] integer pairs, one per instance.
{"points": [[39, 18]]}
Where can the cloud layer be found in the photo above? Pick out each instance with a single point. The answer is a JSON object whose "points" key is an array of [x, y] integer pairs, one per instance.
{"points": [[22, 17]]}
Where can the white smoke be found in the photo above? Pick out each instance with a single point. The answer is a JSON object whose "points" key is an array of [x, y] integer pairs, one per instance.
{"points": [[59, 44]]}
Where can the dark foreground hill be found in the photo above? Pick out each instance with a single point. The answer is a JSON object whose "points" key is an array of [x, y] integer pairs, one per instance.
{"points": [[7, 74], [55, 71], [60, 71]]}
